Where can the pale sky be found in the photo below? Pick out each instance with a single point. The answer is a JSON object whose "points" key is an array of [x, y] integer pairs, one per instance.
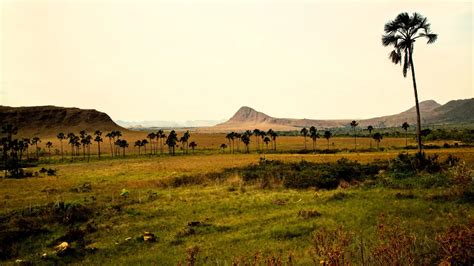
{"points": [[187, 60]]}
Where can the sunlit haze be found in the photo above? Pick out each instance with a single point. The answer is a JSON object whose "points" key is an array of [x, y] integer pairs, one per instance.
{"points": [[155, 60]]}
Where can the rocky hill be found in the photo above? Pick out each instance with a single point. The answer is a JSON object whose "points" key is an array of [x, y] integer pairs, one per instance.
{"points": [[50, 120], [453, 112]]}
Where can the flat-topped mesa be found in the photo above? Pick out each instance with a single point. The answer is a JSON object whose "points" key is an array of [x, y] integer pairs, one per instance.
{"points": [[50, 120]]}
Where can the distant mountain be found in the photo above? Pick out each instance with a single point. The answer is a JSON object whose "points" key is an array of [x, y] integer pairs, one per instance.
{"points": [[453, 112], [165, 124], [50, 120]]}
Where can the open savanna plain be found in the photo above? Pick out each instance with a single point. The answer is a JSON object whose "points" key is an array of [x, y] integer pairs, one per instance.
{"points": [[205, 209]]}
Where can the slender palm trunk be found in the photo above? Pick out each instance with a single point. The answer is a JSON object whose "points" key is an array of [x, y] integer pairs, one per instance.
{"points": [[49, 151], [314, 148], [355, 140], [98, 145], [62, 154], [418, 116], [305, 142], [406, 138]]}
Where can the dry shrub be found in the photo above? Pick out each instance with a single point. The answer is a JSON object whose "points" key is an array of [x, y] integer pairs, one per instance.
{"points": [[331, 247], [308, 214], [457, 245], [396, 246]]}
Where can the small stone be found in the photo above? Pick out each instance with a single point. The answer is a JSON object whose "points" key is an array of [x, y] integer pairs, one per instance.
{"points": [[149, 237], [62, 248], [128, 238]]}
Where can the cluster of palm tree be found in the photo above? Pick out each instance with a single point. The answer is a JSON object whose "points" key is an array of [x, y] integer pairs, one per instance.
{"points": [[155, 140], [267, 137], [314, 135]]}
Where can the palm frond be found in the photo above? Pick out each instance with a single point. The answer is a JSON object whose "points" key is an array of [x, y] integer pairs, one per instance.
{"points": [[390, 39], [403, 44], [395, 56], [432, 37]]}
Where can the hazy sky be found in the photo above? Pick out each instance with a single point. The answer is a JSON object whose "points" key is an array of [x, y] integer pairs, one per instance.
{"points": [[164, 60]]}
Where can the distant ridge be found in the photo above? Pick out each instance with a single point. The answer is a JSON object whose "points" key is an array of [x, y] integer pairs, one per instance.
{"points": [[453, 112], [50, 120]]}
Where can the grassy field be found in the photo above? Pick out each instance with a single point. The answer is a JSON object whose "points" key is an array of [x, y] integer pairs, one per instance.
{"points": [[236, 218]]}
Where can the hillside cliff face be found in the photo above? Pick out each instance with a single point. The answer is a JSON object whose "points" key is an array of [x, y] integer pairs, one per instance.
{"points": [[453, 112], [41, 120]]}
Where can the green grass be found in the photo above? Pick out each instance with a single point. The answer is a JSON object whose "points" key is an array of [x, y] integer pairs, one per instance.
{"points": [[236, 222]]}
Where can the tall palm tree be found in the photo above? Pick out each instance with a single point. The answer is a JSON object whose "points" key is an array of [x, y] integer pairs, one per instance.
{"points": [[401, 33], [370, 128], [171, 141], [193, 145], [138, 144], [246, 140], [314, 135], [273, 135], [35, 142], [256, 132], [304, 132], [186, 137], [161, 136], [61, 137], [230, 137], [377, 137], [354, 124], [49, 144], [110, 135], [151, 136], [266, 140], [122, 144], [144, 143], [117, 134], [405, 127], [238, 137], [327, 136], [71, 138], [98, 139]]}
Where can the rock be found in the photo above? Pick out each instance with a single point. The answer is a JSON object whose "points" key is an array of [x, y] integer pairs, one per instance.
{"points": [[344, 184], [194, 223], [128, 238], [149, 237], [62, 248]]}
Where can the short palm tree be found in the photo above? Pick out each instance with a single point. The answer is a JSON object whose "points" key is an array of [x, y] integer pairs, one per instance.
{"points": [[223, 147], [35, 142], [304, 132], [110, 135], [401, 33], [327, 136], [314, 135], [354, 124], [49, 144], [193, 145], [370, 129], [405, 127], [273, 135], [61, 137], [377, 137], [98, 139]]}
